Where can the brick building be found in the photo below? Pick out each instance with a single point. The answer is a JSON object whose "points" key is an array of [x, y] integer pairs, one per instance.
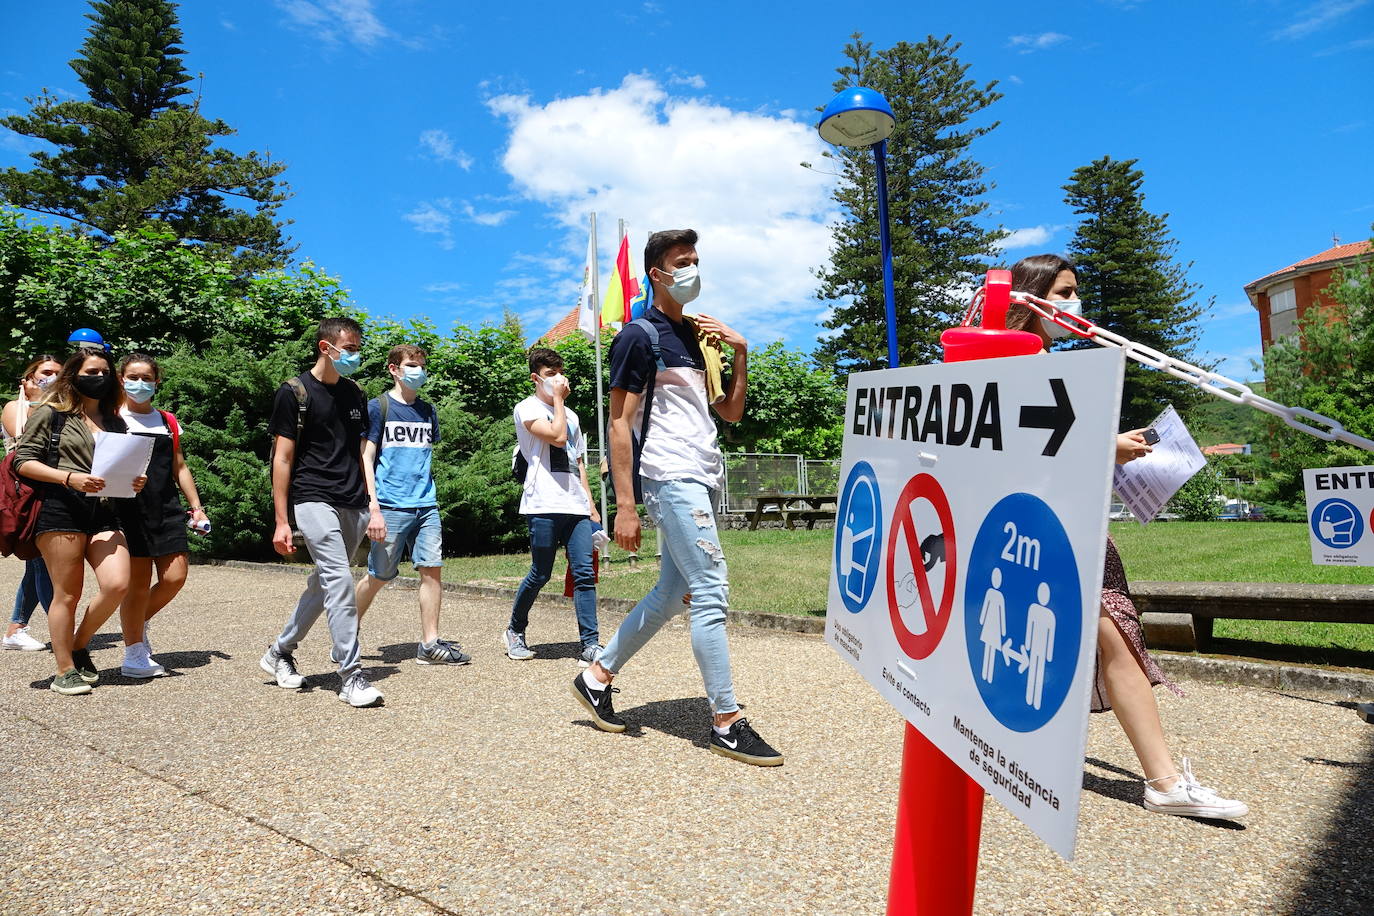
{"points": [[1284, 296]]}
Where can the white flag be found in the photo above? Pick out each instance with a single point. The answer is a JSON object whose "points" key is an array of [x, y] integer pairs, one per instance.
{"points": [[588, 316]]}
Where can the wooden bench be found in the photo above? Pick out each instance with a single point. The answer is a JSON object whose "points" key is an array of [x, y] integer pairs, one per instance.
{"points": [[792, 508], [1179, 615]]}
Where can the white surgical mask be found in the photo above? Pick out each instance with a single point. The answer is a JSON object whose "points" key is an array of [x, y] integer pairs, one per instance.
{"points": [[686, 284], [414, 377], [552, 382], [1073, 307], [139, 391]]}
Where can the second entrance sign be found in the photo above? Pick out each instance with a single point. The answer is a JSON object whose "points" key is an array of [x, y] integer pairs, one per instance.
{"points": [[968, 571]]}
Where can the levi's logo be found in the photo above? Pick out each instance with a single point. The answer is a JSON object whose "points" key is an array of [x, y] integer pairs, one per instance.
{"points": [[408, 434]]}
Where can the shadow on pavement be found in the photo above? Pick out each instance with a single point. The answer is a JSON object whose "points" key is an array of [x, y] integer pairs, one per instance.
{"points": [[688, 718], [556, 650], [1299, 655], [1340, 874], [1127, 790]]}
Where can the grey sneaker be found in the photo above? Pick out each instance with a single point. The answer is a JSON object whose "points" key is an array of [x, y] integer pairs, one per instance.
{"points": [[590, 653], [441, 652], [281, 666], [69, 683], [358, 692], [516, 648]]}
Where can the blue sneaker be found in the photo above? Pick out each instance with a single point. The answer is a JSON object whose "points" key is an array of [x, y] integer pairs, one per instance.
{"points": [[441, 652], [516, 648]]}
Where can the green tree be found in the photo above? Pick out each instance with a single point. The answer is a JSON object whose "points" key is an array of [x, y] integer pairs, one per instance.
{"points": [[794, 407], [1130, 282], [136, 155], [934, 186], [1328, 367]]}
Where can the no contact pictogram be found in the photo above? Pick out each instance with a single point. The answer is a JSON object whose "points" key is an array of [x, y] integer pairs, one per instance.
{"points": [[926, 550]]}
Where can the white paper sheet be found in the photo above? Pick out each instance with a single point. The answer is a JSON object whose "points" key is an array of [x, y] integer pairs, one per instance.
{"points": [[119, 458], [1146, 484]]}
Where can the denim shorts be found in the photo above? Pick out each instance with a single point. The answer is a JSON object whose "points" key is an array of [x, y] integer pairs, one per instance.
{"points": [[415, 530]]}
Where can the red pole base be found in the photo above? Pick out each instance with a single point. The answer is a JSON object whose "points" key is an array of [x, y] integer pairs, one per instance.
{"points": [[939, 821]]}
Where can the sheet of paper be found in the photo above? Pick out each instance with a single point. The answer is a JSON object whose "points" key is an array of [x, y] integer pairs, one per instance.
{"points": [[1146, 484], [119, 458]]}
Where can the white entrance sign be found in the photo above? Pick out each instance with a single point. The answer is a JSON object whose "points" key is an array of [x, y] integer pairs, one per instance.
{"points": [[968, 562], [1340, 515]]}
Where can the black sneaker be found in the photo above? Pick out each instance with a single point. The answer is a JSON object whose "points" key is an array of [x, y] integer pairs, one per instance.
{"points": [[598, 703], [81, 660], [744, 744]]}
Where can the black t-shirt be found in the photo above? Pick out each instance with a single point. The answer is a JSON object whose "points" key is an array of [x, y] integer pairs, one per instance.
{"points": [[632, 356], [328, 466]]}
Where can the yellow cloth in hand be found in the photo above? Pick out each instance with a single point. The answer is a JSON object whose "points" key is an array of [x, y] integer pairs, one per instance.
{"points": [[712, 359]]}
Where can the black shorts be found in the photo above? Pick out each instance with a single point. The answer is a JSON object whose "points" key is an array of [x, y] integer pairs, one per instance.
{"points": [[153, 529], [67, 510]]}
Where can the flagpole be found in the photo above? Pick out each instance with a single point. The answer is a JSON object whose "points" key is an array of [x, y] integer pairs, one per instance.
{"points": [[600, 415]]}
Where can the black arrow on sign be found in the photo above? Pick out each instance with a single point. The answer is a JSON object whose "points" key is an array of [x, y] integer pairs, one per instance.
{"points": [[1058, 418]]}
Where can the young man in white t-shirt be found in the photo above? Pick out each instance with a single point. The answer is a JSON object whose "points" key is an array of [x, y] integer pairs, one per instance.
{"points": [[557, 501]]}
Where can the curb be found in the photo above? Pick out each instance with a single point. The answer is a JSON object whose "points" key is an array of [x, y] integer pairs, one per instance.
{"points": [[1345, 683]]}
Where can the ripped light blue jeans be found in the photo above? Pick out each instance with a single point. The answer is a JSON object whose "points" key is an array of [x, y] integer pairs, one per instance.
{"points": [[692, 562]]}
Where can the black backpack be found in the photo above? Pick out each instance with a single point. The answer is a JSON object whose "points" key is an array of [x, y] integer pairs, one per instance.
{"points": [[637, 444]]}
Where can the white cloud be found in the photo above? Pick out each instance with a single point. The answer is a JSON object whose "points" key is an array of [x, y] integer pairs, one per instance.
{"points": [[695, 81], [1318, 16], [447, 286], [492, 218], [657, 161], [1357, 44], [330, 20], [434, 219], [439, 145], [1029, 43], [1029, 237]]}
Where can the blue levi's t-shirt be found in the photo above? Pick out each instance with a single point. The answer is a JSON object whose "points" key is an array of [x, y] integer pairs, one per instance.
{"points": [[405, 479]]}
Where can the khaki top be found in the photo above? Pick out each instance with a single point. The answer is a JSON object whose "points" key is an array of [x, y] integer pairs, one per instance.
{"points": [[75, 447]]}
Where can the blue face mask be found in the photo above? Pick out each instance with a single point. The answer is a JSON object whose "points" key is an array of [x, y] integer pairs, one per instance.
{"points": [[139, 391], [347, 361], [414, 377]]}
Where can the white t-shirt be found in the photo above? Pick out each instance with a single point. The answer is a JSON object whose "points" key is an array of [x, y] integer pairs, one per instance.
{"points": [[553, 485], [150, 422]]}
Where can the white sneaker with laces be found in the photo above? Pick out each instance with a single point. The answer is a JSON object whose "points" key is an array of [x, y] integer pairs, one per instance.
{"points": [[22, 641], [282, 667], [358, 692], [138, 663], [1192, 799]]}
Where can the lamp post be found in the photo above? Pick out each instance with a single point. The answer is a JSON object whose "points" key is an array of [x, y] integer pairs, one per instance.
{"points": [[939, 808], [862, 117]]}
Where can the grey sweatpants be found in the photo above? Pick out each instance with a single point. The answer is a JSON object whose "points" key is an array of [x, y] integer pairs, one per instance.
{"points": [[332, 536]]}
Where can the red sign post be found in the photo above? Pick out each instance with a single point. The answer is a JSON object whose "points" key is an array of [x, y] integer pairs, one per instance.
{"points": [[939, 807]]}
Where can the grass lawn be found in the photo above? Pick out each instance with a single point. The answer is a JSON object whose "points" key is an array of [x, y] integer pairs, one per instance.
{"points": [[787, 572]]}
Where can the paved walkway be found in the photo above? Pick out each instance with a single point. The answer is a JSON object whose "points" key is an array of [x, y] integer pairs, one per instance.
{"points": [[485, 790]]}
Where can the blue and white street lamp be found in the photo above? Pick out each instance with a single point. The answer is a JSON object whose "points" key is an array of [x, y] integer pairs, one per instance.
{"points": [[862, 117]]}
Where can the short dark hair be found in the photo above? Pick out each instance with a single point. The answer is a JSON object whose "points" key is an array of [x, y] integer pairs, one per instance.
{"points": [[1034, 275], [331, 329], [402, 352], [544, 358], [661, 242]]}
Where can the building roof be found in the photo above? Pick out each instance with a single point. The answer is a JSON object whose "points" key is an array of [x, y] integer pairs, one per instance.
{"points": [[1306, 265], [566, 325]]}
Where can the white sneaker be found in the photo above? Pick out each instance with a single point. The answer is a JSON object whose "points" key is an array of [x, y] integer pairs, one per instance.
{"points": [[138, 663], [358, 692], [1192, 799], [22, 641], [282, 667], [147, 642]]}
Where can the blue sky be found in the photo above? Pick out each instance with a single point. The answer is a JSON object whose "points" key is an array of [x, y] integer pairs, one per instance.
{"points": [[444, 156]]}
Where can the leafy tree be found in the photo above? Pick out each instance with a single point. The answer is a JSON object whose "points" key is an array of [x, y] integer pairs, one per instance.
{"points": [[794, 407], [136, 155], [1328, 367], [934, 187], [1130, 282], [1196, 500], [145, 291]]}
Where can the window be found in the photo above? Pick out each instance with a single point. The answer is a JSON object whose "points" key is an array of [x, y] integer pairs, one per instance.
{"points": [[1283, 311]]}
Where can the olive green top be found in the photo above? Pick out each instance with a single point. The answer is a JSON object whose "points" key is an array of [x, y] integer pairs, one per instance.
{"points": [[75, 447]]}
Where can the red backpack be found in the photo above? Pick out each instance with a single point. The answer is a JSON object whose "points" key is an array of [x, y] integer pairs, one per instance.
{"points": [[20, 502]]}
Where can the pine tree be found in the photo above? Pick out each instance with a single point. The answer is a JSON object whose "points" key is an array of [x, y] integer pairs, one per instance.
{"points": [[137, 155], [933, 190], [1130, 282]]}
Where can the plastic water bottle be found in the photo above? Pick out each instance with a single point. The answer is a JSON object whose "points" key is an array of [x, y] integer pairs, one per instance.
{"points": [[198, 527]]}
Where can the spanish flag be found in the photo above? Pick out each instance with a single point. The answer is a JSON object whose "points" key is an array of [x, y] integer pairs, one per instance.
{"points": [[621, 290]]}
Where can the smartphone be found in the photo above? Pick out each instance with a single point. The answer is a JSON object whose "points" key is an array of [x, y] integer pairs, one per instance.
{"points": [[1151, 437]]}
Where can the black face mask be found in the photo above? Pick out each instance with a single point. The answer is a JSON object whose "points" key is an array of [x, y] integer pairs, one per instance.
{"points": [[94, 386]]}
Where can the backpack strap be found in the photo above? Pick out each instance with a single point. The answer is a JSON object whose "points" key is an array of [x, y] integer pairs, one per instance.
{"points": [[648, 328], [173, 427], [302, 404], [59, 421]]}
